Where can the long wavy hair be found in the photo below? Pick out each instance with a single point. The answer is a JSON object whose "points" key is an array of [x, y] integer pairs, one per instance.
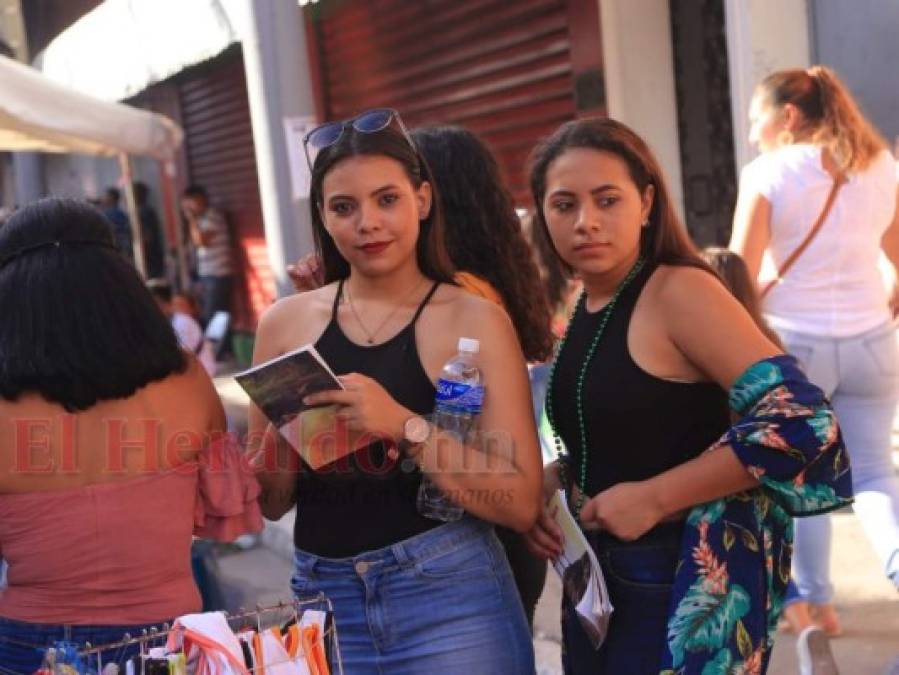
{"points": [[665, 241], [483, 232], [433, 259], [834, 119]]}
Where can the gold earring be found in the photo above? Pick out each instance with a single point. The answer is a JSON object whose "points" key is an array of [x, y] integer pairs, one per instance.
{"points": [[785, 137]]}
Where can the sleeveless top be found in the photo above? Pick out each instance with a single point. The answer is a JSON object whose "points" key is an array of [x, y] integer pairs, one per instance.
{"points": [[638, 425], [366, 501]]}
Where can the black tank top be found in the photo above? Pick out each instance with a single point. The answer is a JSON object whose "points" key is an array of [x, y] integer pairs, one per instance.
{"points": [[366, 501], [638, 425]]}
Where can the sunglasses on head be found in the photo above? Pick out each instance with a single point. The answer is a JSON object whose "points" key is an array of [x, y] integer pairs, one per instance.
{"points": [[369, 122]]}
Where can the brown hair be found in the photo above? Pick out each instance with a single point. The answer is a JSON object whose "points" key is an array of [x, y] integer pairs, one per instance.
{"points": [[732, 270], [665, 240], [431, 254], [835, 120]]}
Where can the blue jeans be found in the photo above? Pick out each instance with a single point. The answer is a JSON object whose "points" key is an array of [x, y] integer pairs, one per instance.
{"points": [[22, 644], [639, 576], [440, 602], [860, 375]]}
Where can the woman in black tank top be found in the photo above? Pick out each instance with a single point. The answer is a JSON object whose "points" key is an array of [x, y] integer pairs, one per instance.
{"points": [[411, 594], [637, 396]]}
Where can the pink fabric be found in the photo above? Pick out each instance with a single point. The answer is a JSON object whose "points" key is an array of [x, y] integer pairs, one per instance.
{"points": [[119, 552]]}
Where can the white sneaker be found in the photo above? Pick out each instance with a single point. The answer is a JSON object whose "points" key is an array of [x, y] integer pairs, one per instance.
{"points": [[815, 657]]}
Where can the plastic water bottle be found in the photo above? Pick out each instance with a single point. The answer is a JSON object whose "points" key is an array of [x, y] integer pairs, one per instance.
{"points": [[460, 396]]}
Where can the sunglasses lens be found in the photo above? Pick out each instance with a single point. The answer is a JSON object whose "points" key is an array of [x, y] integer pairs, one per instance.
{"points": [[325, 135], [373, 120]]}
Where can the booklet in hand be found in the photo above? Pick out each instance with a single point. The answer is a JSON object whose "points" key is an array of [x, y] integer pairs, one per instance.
{"points": [[278, 387], [582, 579]]}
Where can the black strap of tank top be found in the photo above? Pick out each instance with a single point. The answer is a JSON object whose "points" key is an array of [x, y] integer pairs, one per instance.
{"points": [[418, 311]]}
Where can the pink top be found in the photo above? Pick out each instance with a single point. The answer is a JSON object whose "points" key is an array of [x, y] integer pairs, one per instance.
{"points": [[119, 553]]}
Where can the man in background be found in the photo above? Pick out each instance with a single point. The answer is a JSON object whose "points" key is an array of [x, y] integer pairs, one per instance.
{"points": [[212, 241], [121, 226], [186, 328]]}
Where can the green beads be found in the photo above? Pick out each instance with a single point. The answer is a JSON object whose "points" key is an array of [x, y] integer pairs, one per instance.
{"points": [[579, 386]]}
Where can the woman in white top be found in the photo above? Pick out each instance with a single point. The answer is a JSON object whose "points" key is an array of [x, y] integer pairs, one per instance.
{"points": [[831, 307]]}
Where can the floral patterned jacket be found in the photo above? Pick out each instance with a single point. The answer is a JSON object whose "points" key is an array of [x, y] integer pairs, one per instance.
{"points": [[735, 555]]}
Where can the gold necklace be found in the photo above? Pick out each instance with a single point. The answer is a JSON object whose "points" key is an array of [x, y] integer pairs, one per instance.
{"points": [[370, 335]]}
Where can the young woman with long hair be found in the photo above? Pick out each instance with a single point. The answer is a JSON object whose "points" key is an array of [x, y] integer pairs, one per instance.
{"points": [[831, 308], [689, 515], [98, 509], [411, 594]]}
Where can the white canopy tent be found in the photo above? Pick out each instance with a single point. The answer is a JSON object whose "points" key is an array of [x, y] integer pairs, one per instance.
{"points": [[38, 114]]}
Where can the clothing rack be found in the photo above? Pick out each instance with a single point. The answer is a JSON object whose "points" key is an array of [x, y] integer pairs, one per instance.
{"points": [[297, 606]]}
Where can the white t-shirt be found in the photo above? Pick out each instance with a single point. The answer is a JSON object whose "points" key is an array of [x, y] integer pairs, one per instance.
{"points": [[835, 288], [192, 339]]}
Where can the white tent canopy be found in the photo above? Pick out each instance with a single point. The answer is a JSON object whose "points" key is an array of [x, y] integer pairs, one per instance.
{"points": [[39, 114]]}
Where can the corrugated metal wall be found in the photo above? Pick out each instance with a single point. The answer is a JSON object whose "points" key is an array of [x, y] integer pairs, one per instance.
{"points": [[502, 69], [220, 155]]}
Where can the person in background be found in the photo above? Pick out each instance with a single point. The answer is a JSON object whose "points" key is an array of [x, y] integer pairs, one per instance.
{"points": [[96, 526], [831, 308], [121, 225], [151, 229], [189, 333], [411, 594], [493, 259], [212, 241], [689, 514]]}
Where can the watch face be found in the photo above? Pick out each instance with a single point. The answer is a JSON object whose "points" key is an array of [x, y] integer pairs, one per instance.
{"points": [[417, 430]]}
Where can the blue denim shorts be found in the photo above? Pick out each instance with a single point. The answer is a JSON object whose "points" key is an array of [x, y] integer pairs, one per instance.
{"points": [[441, 602], [22, 644], [640, 577]]}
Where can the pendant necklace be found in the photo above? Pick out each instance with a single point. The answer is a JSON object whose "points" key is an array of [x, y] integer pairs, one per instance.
{"points": [[370, 335]]}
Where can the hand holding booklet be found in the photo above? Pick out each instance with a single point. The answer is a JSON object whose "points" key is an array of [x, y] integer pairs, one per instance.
{"points": [[278, 388], [582, 578]]}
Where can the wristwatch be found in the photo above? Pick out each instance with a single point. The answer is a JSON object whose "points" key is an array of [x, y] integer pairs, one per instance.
{"points": [[416, 430]]}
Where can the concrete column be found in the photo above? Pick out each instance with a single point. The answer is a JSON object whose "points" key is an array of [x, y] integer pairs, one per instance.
{"points": [[762, 37], [638, 65], [279, 86]]}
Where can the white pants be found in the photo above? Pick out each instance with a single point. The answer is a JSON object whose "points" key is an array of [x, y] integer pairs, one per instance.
{"points": [[860, 375]]}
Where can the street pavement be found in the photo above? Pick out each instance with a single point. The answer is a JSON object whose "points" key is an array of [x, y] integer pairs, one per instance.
{"points": [[867, 602]]}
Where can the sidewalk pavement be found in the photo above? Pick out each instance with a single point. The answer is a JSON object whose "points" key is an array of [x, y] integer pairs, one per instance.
{"points": [[867, 602]]}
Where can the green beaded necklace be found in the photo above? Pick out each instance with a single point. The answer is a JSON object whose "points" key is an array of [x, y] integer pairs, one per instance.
{"points": [[579, 389]]}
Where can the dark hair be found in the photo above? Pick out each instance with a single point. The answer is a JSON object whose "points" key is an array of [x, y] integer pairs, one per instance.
{"points": [[78, 324], [665, 241], [554, 272], [835, 121], [433, 260], [483, 232], [113, 194], [732, 271], [160, 289], [196, 190]]}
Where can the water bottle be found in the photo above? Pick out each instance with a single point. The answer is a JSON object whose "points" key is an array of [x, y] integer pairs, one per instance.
{"points": [[457, 405]]}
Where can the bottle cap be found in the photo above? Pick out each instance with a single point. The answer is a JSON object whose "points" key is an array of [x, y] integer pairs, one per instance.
{"points": [[469, 345]]}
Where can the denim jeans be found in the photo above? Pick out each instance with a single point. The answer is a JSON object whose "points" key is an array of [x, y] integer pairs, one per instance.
{"points": [[860, 375], [640, 577], [22, 644], [440, 602]]}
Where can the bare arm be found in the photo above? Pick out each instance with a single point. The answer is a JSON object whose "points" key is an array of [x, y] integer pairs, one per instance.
{"points": [[497, 479], [274, 458], [890, 241], [751, 229], [716, 335]]}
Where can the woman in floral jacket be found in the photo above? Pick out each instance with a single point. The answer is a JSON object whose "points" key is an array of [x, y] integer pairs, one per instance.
{"points": [[690, 516]]}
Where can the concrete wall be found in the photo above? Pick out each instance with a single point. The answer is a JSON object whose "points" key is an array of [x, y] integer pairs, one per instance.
{"points": [[860, 40], [762, 36], [638, 65]]}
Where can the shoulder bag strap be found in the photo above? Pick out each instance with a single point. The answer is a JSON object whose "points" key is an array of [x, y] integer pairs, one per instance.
{"points": [[795, 255]]}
